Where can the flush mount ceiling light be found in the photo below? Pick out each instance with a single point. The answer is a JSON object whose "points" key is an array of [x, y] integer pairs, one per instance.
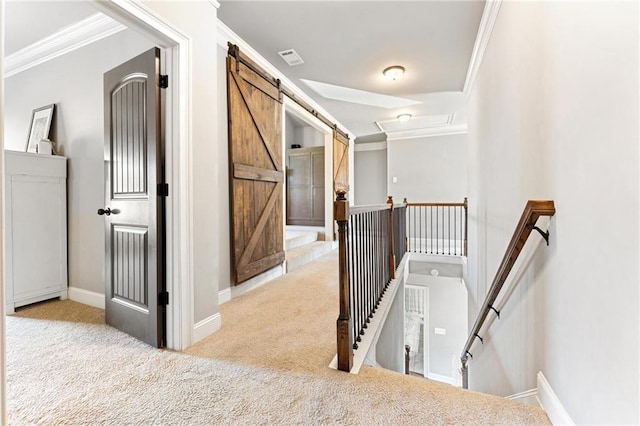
{"points": [[403, 118], [393, 72]]}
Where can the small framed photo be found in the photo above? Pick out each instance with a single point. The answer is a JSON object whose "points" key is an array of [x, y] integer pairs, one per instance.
{"points": [[41, 119]]}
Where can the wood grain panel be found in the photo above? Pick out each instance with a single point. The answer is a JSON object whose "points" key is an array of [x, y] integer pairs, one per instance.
{"points": [[255, 164], [340, 162]]}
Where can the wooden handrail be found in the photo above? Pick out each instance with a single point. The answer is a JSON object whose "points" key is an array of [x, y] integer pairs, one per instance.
{"points": [[368, 208], [532, 212], [436, 204]]}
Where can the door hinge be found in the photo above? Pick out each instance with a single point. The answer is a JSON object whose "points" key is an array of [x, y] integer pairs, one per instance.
{"points": [[163, 190], [163, 298], [164, 81]]}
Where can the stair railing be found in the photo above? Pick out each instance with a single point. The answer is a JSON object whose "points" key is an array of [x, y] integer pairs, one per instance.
{"points": [[532, 212], [437, 228], [370, 247]]}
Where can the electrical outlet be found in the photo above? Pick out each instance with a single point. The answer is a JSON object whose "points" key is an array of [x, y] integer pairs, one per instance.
{"points": [[395, 179], [440, 331]]}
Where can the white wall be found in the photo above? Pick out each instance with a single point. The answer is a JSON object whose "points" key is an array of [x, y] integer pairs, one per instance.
{"points": [[447, 310], [74, 82], [223, 218], [370, 176], [428, 169], [390, 345], [197, 20], [554, 115]]}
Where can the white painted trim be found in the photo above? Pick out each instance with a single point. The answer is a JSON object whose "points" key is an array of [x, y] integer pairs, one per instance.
{"points": [[226, 34], [551, 403], [87, 297], [530, 394], [73, 37], [488, 20], [180, 281], [206, 327], [224, 296], [374, 146], [257, 281], [4, 414], [440, 378], [215, 4], [427, 132]]}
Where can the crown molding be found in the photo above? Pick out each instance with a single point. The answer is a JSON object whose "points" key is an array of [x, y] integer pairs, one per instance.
{"points": [[89, 30], [428, 132], [488, 20], [226, 34], [370, 146], [215, 3]]}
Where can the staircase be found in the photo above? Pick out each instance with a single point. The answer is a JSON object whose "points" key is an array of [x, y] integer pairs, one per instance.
{"points": [[304, 245]]}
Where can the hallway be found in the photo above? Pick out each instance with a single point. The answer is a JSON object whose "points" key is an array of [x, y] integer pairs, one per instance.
{"points": [[268, 365]]}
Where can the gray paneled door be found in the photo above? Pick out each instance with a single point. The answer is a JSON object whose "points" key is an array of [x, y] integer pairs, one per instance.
{"points": [[305, 186], [134, 209]]}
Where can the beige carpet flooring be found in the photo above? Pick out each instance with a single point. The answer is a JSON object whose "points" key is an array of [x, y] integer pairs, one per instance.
{"points": [[268, 365]]}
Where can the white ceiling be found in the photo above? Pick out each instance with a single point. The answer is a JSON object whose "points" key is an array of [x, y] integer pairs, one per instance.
{"points": [[349, 43], [343, 43], [29, 21]]}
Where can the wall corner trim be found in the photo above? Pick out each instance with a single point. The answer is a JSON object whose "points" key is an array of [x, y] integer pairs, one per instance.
{"points": [[487, 21], [87, 297], [73, 37], [224, 296], [206, 327], [551, 403]]}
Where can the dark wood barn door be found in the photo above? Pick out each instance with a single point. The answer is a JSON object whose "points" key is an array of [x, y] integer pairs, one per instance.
{"points": [[340, 162], [257, 176]]}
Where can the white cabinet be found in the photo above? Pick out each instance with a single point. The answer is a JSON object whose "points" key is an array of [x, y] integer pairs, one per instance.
{"points": [[36, 228]]}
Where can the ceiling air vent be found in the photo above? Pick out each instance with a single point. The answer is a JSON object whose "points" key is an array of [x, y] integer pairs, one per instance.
{"points": [[291, 57]]}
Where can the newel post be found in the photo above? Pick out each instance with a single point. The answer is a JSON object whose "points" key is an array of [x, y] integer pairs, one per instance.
{"points": [[392, 253], [406, 236], [466, 223], [343, 324]]}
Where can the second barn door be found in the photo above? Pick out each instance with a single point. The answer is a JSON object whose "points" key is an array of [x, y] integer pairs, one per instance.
{"points": [[255, 163]]}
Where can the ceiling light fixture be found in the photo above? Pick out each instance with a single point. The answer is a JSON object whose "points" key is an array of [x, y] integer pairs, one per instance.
{"points": [[393, 72], [403, 118]]}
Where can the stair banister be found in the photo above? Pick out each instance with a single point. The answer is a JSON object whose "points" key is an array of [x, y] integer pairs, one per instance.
{"points": [[532, 212]]}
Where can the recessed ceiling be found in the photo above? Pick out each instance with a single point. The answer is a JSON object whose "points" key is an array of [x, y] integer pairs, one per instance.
{"points": [[29, 21], [349, 43]]}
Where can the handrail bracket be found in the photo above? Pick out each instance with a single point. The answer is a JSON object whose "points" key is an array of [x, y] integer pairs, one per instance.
{"points": [[545, 234]]}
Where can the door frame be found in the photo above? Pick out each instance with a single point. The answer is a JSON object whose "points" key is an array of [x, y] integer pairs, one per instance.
{"points": [[178, 142], [178, 147], [425, 328], [292, 107]]}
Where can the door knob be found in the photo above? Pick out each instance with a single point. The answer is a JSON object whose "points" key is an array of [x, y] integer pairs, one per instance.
{"points": [[106, 211]]}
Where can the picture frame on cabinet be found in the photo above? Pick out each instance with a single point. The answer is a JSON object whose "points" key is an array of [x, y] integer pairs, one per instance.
{"points": [[41, 120]]}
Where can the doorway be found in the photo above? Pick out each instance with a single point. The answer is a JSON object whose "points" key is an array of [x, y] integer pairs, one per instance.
{"points": [[305, 198], [309, 199], [416, 333]]}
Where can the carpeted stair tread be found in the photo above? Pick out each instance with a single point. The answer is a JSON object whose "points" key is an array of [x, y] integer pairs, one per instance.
{"points": [[303, 255]]}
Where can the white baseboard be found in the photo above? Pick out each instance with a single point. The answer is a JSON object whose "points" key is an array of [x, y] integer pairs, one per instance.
{"points": [[206, 327], [224, 296], [256, 281], [441, 378], [527, 397], [87, 297], [551, 403]]}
